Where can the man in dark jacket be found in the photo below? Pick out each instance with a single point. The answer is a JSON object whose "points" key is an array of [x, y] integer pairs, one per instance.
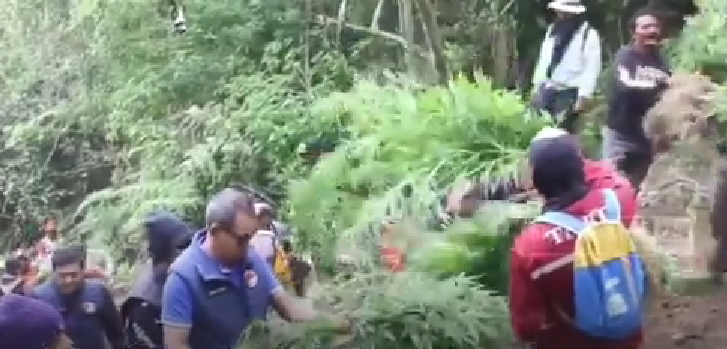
{"points": [[641, 74], [12, 280], [141, 312], [88, 309]]}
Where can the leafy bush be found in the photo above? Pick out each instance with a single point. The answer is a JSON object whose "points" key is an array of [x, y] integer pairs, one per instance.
{"points": [[405, 146], [399, 311], [703, 48], [170, 119], [478, 247]]}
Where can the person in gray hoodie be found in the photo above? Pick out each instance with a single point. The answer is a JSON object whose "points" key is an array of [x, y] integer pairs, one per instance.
{"points": [[166, 235]]}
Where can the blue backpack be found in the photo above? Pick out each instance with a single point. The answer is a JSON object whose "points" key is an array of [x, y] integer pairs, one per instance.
{"points": [[609, 275]]}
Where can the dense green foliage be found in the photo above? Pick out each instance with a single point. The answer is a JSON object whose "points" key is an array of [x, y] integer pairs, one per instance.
{"points": [[478, 247], [391, 311], [102, 95], [157, 120], [405, 148], [106, 115]]}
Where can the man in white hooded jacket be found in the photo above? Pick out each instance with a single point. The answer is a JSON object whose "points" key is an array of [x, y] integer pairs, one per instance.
{"points": [[568, 65]]}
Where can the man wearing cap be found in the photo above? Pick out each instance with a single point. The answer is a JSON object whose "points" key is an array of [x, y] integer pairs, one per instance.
{"points": [[599, 175], [568, 65], [167, 235], [219, 285], [27, 323], [541, 290]]}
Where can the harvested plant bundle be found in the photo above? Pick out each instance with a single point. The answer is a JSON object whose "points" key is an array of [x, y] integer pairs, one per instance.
{"points": [[684, 174], [684, 110], [407, 310], [477, 247], [407, 146]]}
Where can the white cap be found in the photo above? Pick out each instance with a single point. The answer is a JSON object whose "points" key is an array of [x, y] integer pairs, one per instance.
{"points": [[568, 6], [261, 207], [549, 132]]}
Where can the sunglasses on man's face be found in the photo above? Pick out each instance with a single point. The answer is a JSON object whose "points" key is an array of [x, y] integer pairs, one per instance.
{"points": [[241, 240]]}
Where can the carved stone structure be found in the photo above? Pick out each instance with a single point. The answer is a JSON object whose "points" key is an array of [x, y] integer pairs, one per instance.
{"points": [[676, 196]]}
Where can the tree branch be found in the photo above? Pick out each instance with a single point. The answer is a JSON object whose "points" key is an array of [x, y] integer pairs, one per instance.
{"points": [[341, 19], [377, 15], [323, 20]]}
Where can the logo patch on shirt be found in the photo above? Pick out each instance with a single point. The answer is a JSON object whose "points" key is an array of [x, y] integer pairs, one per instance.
{"points": [[251, 278], [217, 291], [89, 307]]}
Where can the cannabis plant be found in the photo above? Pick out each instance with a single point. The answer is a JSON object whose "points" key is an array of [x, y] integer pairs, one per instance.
{"points": [[477, 247], [409, 310], [406, 146]]}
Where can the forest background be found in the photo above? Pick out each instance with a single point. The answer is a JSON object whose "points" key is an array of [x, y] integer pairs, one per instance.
{"points": [[107, 114]]}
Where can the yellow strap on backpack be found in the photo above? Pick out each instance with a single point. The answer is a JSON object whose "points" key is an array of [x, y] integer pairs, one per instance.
{"points": [[281, 265]]}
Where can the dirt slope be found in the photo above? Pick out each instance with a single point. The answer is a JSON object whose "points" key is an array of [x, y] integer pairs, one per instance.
{"points": [[689, 322]]}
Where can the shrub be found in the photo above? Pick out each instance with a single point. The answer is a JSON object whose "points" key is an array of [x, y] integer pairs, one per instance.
{"points": [[399, 311], [405, 146]]}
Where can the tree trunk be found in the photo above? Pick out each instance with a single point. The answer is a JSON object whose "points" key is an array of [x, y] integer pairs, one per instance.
{"points": [[434, 38]]}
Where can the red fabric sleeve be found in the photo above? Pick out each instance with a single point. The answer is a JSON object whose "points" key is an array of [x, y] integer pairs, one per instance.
{"points": [[527, 307]]}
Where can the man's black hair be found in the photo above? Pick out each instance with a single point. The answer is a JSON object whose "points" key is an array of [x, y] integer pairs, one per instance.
{"points": [[224, 206], [646, 11], [48, 219], [13, 266], [70, 254]]}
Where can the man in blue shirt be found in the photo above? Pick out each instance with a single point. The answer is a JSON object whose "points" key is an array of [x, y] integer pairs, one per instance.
{"points": [[219, 285], [89, 313]]}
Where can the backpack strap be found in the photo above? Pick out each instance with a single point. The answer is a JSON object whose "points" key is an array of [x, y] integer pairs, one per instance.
{"points": [[613, 208], [585, 36], [575, 224], [8, 289], [563, 220], [274, 257]]}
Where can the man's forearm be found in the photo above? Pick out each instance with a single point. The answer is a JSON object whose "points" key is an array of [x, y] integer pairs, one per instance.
{"points": [[295, 310]]}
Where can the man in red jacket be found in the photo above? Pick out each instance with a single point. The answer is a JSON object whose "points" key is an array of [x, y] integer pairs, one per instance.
{"points": [[541, 268]]}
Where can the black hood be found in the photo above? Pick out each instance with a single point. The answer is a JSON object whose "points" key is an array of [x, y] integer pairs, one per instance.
{"points": [[558, 173], [165, 233]]}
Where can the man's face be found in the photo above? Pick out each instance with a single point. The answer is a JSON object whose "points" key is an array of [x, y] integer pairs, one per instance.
{"points": [[69, 277], [24, 265], [265, 220], [63, 342], [234, 244], [560, 15], [647, 31], [51, 227]]}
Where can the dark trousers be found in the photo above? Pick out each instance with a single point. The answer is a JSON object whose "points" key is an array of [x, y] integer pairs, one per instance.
{"points": [[559, 104], [632, 158]]}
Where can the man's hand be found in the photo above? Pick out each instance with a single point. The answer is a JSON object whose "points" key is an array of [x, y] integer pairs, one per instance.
{"points": [[299, 310], [581, 104], [662, 143], [461, 200], [340, 323]]}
